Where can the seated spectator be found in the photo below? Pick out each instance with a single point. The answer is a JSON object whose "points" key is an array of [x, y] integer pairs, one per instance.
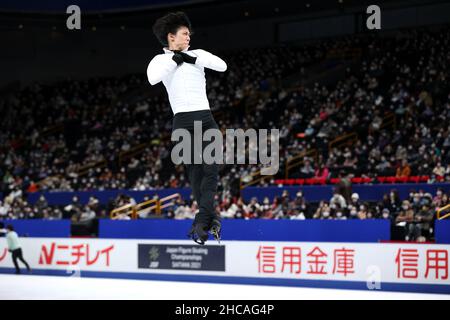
{"points": [[337, 200], [437, 200], [307, 171], [385, 214], [363, 212], [254, 208], [353, 213], [300, 207], [321, 172], [405, 218], [439, 170], [340, 215], [404, 170], [422, 225], [394, 203], [323, 211], [354, 200], [87, 215]]}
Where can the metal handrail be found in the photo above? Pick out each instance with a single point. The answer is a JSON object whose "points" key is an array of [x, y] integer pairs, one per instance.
{"points": [[135, 210], [348, 137], [442, 209], [129, 208]]}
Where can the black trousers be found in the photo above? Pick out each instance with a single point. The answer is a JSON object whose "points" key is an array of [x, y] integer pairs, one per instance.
{"points": [[203, 177], [17, 255]]}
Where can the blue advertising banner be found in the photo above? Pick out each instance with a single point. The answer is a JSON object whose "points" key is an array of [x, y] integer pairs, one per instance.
{"points": [[40, 228], [254, 230]]}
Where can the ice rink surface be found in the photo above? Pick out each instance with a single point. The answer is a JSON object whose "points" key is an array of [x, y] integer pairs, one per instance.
{"points": [[32, 287]]}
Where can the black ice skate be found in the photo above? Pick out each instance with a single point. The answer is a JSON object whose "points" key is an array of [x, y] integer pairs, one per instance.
{"points": [[216, 226], [198, 233]]}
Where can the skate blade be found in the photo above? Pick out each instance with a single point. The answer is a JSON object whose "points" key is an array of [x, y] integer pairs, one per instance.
{"points": [[193, 236], [216, 234], [197, 240]]}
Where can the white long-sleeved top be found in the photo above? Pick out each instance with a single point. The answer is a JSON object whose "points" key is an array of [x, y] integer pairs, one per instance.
{"points": [[185, 84]]}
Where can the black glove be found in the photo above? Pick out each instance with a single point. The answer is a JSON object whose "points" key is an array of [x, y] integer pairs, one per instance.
{"points": [[177, 57], [187, 58]]}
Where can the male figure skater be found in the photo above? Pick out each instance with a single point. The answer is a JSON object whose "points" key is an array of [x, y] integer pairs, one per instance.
{"points": [[14, 247], [182, 73]]}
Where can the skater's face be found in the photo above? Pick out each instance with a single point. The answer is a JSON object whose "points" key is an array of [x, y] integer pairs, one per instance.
{"points": [[180, 40]]}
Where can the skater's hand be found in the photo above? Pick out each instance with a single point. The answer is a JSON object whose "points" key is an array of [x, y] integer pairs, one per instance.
{"points": [[187, 58], [177, 57]]}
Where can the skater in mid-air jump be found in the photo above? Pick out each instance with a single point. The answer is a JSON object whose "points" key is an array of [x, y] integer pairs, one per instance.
{"points": [[182, 73]]}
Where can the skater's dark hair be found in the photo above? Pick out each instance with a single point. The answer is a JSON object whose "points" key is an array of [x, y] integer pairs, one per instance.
{"points": [[10, 227], [170, 23]]}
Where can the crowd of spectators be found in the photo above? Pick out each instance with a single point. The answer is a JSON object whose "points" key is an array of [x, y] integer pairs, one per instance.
{"points": [[82, 135], [411, 218], [404, 75]]}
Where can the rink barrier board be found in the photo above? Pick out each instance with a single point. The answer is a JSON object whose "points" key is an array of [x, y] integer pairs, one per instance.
{"points": [[442, 231], [244, 262], [40, 227], [233, 229], [254, 230]]}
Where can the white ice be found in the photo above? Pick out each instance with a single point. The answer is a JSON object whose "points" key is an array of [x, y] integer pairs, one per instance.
{"points": [[33, 287]]}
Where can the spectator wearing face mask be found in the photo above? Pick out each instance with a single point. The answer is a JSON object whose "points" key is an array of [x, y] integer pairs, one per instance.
{"points": [[73, 210], [266, 204], [416, 202], [340, 215], [300, 206], [42, 203], [267, 209], [307, 171], [354, 200], [404, 170], [385, 214], [445, 198], [254, 208], [353, 215], [323, 211], [338, 199], [227, 208], [363, 212], [322, 172], [426, 199], [404, 219], [394, 204], [423, 224], [439, 170], [438, 198]]}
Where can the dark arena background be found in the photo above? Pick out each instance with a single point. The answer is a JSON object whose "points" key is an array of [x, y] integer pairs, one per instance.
{"points": [[358, 208]]}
